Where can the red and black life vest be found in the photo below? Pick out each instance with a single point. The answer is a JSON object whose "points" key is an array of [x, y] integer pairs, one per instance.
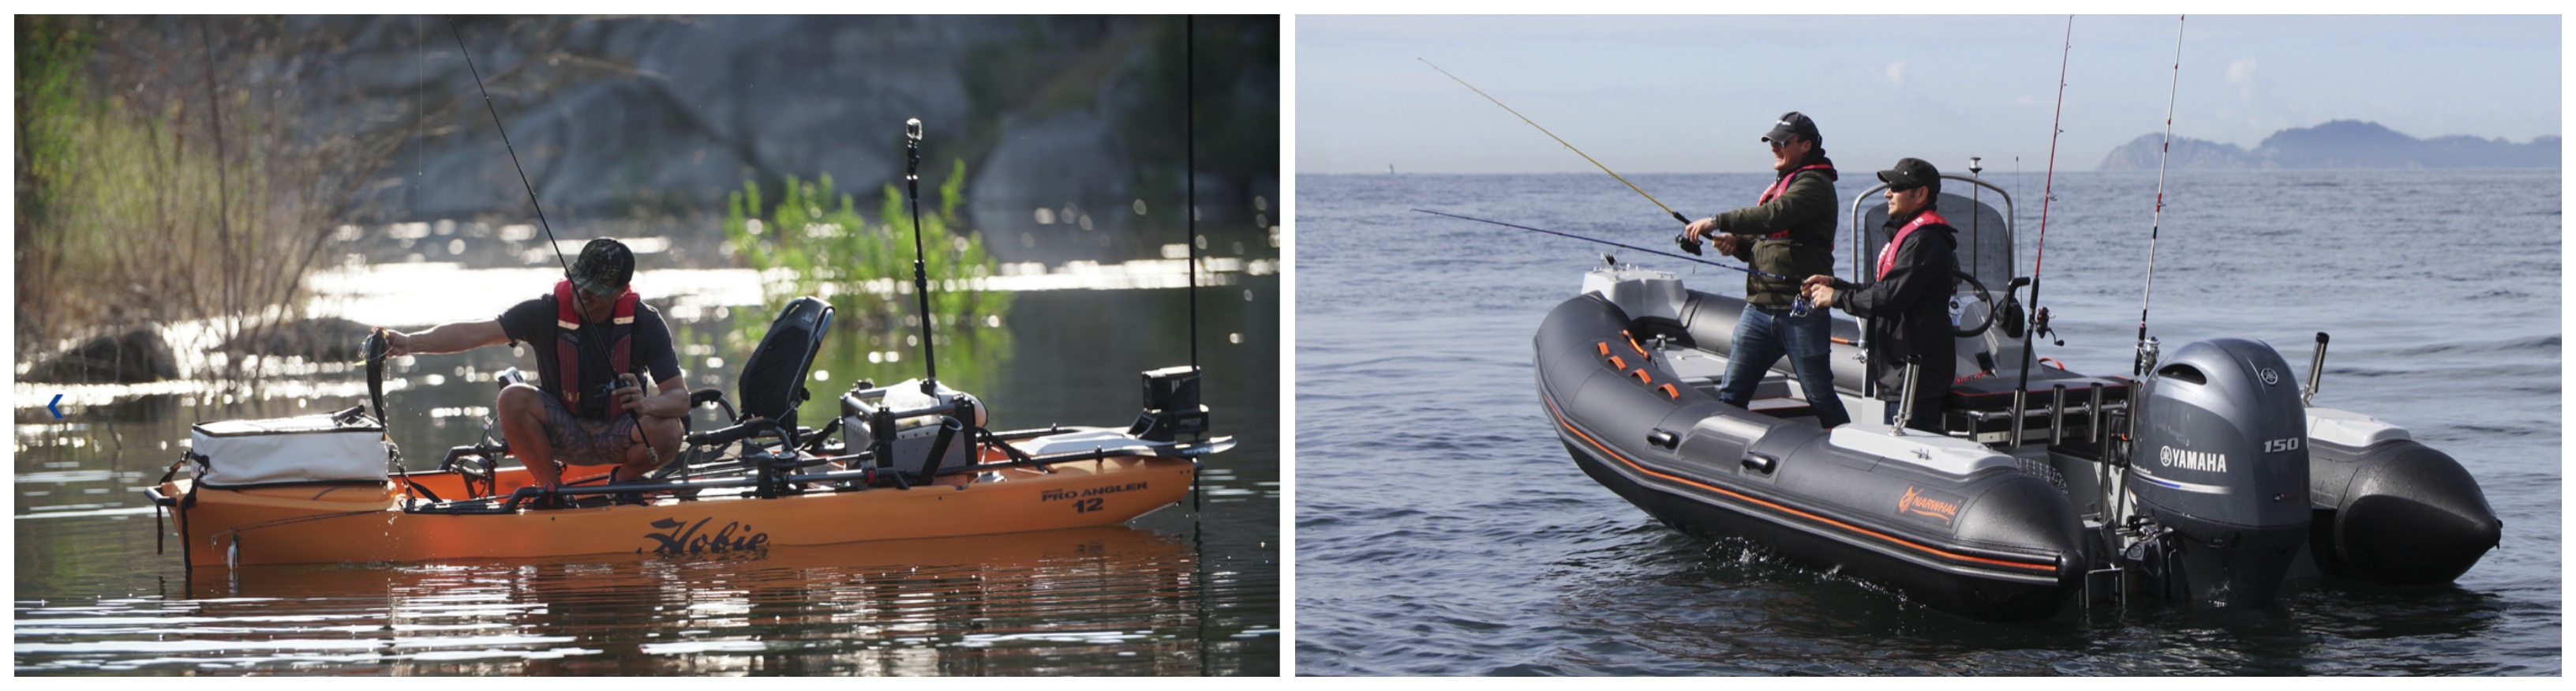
{"points": [[571, 357], [1781, 186], [1887, 255]]}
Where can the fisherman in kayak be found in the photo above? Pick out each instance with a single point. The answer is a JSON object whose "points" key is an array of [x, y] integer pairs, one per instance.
{"points": [[1907, 299], [1789, 231], [595, 329]]}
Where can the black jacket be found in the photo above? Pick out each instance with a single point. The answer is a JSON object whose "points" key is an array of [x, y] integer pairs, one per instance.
{"points": [[1909, 308]]}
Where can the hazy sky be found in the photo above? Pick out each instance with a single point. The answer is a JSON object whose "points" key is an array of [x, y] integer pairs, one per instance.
{"points": [[1694, 94]]}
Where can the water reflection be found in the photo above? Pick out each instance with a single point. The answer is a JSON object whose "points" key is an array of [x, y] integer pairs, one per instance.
{"points": [[1093, 601], [97, 596]]}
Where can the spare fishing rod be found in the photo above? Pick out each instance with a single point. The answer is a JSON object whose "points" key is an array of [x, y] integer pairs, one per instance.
{"points": [[2047, 193], [2138, 366], [1731, 267]]}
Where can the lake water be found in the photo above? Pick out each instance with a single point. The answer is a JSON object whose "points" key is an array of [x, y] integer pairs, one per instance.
{"points": [[1442, 530], [1172, 593]]}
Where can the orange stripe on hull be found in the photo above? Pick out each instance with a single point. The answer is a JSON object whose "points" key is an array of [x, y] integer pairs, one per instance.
{"points": [[311, 524], [1846, 527]]}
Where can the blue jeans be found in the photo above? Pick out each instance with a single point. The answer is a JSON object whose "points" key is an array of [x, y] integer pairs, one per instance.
{"points": [[1762, 336]]}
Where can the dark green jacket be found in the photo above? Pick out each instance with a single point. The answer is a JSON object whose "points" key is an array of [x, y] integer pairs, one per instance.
{"points": [[1806, 211]]}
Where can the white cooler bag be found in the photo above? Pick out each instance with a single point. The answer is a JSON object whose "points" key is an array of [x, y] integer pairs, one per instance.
{"points": [[311, 448]]}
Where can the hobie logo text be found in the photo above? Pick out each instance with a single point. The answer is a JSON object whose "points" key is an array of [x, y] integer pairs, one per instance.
{"points": [[733, 537]]}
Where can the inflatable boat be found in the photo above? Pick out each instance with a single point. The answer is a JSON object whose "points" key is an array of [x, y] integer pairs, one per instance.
{"points": [[2209, 481]]}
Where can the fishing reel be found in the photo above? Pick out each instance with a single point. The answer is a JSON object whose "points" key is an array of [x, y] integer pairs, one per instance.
{"points": [[2039, 327], [1687, 243]]}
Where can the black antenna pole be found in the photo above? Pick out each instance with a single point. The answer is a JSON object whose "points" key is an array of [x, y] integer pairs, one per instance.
{"points": [[514, 151], [1189, 174], [920, 276]]}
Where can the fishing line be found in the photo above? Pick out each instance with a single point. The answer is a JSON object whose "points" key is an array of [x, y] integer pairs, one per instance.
{"points": [[1561, 140], [1613, 244], [2138, 366], [2047, 193]]}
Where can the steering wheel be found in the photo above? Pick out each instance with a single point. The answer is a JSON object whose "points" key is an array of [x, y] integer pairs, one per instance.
{"points": [[1982, 296]]}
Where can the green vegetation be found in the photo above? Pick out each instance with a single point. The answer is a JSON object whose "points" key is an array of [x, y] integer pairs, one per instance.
{"points": [[815, 242], [197, 200]]}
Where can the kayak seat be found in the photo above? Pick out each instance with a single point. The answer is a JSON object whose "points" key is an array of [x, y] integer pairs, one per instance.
{"points": [[773, 378]]}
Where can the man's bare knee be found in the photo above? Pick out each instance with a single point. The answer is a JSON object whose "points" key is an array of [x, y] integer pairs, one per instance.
{"points": [[520, 401]]}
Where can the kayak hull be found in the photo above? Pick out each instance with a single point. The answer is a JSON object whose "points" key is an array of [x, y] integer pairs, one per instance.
{"points": [[363, 523]]}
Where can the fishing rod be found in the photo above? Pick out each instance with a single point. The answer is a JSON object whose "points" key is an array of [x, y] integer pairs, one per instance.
{"points": [[1561, 140], [514, 151], [1763, 274], [551, 242], [2047, 193], [2138, 366]]}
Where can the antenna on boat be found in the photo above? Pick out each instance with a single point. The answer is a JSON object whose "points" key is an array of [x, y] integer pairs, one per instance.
{"points": [[551, 242], [1976, 200], [2047, 194], [2138, 366], [920, 276]]}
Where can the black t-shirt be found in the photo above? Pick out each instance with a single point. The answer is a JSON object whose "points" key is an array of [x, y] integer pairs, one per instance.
{"points": [[533, 322]]}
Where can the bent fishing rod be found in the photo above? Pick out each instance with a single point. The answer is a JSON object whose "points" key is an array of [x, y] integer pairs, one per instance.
{"points": [[1561, 140], [1764, 274]]}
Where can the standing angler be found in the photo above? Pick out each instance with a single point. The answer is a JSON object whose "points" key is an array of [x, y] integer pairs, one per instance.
{"points": [[1907, 300], [1789, 232]]}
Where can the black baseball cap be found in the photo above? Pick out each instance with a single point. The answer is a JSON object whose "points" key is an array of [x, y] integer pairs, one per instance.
{"points": [[604, 267], [1910, 173], [1793, 122]]}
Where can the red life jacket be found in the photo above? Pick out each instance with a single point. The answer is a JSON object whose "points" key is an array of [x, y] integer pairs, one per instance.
{"points": [[565, 377], [1781, 186], [1887, 255]]}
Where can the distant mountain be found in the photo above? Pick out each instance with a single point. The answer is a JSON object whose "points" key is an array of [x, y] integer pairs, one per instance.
{"points": [[2339, 144]]}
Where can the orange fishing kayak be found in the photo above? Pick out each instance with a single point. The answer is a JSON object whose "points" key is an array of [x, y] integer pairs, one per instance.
{"points": [[908, 461], [400, 521]]}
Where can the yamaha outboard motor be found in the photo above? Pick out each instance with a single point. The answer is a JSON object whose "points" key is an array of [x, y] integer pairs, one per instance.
{"points": [[2219, 463]]}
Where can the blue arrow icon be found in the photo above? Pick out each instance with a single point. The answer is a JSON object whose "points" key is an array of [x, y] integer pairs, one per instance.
{"points": [[56, 406]]}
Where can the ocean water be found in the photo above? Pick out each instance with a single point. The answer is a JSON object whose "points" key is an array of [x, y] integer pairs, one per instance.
{"points": [[1442, 530]]}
